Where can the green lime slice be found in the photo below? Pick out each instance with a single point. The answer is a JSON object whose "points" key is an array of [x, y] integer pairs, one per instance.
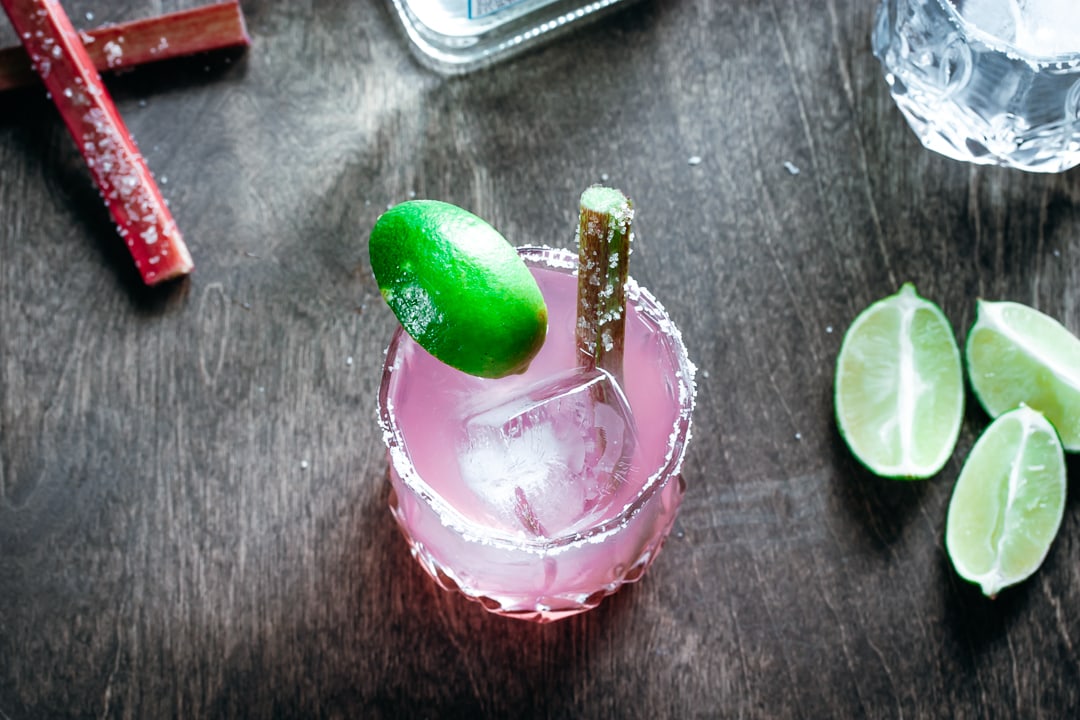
{"points": [[458, 287], [1008, 502], [899, 391], [1016, 354]]}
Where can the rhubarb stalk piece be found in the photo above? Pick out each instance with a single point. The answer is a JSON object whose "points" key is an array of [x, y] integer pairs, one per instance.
{"points": [[604, 236], [121, 174], [112, 47]]}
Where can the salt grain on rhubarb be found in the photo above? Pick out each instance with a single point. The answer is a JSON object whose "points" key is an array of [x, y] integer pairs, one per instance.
{"points": [[114, 54]]}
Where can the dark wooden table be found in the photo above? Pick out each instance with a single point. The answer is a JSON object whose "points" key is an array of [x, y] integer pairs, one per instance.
{"points": [[193, 517]]}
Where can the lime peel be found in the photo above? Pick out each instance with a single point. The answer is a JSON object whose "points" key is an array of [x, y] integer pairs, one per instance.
{"points": [[1008, 502]]}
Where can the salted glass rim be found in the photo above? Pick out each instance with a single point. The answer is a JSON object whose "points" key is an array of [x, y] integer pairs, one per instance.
{"points": [[645, 304], [991, 40]]}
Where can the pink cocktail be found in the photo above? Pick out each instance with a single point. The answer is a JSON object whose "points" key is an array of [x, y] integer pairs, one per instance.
{"points": [[528, 493]]}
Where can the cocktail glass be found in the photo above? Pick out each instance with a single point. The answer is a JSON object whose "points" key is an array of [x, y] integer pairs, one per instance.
{"points": [[496, 501]]}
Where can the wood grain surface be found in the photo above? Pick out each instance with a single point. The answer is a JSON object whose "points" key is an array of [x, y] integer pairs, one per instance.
{"points": [[193, 518]]}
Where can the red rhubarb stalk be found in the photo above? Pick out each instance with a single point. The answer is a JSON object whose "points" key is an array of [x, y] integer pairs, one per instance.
{"points": [[121, 174], [112, 47]]}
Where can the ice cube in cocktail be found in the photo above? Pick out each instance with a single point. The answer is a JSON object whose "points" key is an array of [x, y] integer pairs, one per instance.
{"points": [[550, 459]]}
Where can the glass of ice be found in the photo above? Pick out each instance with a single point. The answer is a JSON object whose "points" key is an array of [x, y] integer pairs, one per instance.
{"points": [[994, 82], [539, 494]]}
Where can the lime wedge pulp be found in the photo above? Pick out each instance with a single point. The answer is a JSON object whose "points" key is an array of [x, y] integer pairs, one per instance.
{"points": [[1008, 503], [458, 287], [899, 390], [1018, 355]]}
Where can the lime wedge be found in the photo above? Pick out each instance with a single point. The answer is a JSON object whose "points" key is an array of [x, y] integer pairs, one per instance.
{"points": [[899, 390], [1007, 504], [458, 287], [1016, 354]]}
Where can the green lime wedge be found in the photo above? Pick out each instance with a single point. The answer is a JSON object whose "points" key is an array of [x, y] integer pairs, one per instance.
{"points": [[1007, 504], [1018, 355], [458, 287], [899, 391]]}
